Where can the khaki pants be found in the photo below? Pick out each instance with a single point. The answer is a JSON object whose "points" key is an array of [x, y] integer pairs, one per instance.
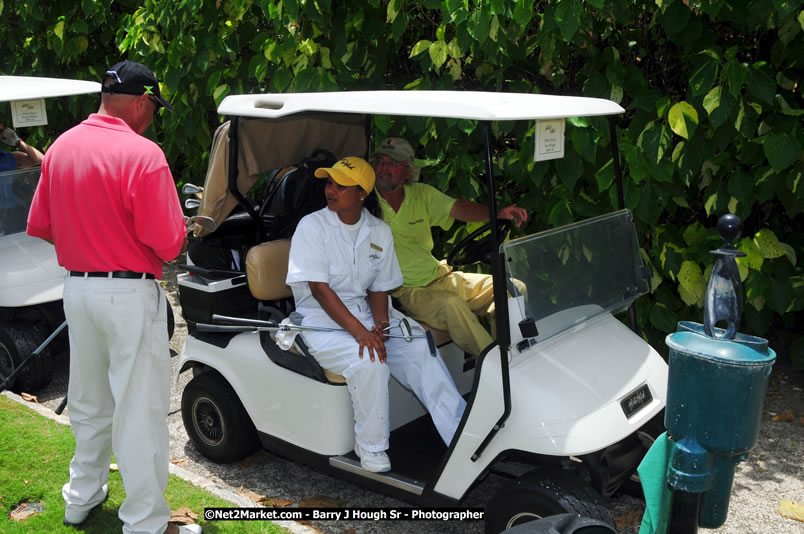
{"points": [[452, 302]]}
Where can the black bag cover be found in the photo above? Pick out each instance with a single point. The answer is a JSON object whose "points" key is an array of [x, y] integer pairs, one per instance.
{"points": [[296, 194]]}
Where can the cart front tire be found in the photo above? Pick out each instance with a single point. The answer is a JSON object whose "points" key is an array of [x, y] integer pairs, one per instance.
{"points": [[541, 494], [647, 435], [18, 340], [216, 421]]}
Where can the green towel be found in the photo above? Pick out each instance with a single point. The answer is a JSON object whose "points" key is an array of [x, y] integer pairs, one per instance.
{"points": [[653, 476]]}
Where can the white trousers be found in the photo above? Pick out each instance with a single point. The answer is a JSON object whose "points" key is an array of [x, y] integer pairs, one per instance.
{"points": [[118, 396], [409, 362]]}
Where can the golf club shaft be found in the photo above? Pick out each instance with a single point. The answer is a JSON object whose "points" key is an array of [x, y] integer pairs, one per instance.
{"points": [[282, 328], [17, 370], [256, 324], [242, 321]]}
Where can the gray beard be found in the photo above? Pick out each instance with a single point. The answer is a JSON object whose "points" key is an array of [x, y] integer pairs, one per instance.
{"points": [[388, 189]]}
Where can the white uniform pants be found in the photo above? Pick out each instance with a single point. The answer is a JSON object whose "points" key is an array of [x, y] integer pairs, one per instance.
{"points": [[409, 362], [118, 397]]}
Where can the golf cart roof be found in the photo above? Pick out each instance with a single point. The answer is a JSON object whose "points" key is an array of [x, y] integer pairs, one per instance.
{"points": [[31, 87], [296, 124], [446, 104]]}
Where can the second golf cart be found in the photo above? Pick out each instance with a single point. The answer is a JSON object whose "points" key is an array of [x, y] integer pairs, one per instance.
{"points": [[567, 390], [31, 280]]}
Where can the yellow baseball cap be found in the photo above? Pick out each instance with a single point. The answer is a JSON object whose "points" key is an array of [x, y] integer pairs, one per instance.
{"points": [[350, 171]]}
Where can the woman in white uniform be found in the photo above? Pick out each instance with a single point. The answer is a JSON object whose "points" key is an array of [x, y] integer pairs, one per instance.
{"points": [[342, 265]]}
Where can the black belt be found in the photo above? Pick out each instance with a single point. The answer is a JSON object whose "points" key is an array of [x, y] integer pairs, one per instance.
{"points": [[114, 274]]}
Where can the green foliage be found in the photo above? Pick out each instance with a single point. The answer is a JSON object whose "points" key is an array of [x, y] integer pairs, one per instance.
{"points": [[712, 92], [58, 39]]}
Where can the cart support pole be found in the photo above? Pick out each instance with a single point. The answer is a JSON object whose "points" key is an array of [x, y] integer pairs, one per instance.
{"points": [[500, 300], [618, 179], [615, 153], [234, 151]]}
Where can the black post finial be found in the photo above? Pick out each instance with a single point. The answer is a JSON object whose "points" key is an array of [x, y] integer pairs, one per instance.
{"points": [[729, 227], [724, 292]]}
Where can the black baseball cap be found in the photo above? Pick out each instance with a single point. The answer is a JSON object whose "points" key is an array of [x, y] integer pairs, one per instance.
{"points": [[132, 78]]}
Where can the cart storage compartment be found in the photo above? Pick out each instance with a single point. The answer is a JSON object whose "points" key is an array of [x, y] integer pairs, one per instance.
{"points": [[201, 297]]}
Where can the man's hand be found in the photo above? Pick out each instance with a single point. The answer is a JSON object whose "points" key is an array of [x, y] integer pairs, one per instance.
{"points": [[512, 212], [9, 137], [373, 343]]}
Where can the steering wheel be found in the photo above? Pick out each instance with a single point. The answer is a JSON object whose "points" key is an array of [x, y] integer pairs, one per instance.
{"points": [[474, 248]]}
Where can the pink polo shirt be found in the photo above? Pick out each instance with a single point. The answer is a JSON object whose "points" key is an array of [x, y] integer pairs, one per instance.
{"points": [[107, 200]]}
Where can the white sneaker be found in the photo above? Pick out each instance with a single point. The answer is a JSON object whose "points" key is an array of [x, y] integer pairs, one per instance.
{"points": [[375, 462], [75, 519]]}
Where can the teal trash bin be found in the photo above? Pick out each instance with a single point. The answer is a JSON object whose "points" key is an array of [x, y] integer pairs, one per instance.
{"points": [[717, 380]]}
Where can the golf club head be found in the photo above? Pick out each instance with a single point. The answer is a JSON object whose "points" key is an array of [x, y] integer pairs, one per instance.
{"points": [[404, 325], [430, 343], [192, 203], [191, 189], [207, 223]]}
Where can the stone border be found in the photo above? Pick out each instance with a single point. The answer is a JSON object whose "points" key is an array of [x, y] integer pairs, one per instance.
{"points": [[198, 481]]}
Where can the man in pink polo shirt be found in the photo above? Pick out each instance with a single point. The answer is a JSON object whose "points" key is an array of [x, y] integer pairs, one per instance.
{"points": [[108, 203]]}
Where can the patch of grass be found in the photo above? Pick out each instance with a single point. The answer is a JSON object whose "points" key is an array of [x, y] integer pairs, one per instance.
{"points": [[35, 455]]}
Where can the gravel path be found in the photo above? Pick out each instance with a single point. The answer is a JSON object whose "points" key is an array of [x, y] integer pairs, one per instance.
{"points": [[773, 472]]}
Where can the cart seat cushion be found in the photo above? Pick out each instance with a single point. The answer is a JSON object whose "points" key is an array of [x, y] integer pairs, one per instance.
{"points": [[331, 376], [334, 378], [267, 268]]}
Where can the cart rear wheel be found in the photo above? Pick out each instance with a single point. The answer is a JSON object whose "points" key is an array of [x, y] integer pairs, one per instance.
{"points": [[541, 494], [18, 340], [215, 419]]}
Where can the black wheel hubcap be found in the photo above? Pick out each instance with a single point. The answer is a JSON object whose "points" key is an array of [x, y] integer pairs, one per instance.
{"points": [[207, 421]]}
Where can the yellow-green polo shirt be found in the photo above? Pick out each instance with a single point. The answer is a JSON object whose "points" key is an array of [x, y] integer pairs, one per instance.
{"points": [[424, 206]]}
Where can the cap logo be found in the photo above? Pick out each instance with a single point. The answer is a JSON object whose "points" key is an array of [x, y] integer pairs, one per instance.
{"points": [[148, 89], [346, 164], [114, 73]]}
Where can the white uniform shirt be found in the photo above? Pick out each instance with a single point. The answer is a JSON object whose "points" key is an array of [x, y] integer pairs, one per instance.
{"points": [[322, 250]]}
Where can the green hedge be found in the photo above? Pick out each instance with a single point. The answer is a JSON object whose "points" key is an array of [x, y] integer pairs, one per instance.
{"points": [[712, 91]]}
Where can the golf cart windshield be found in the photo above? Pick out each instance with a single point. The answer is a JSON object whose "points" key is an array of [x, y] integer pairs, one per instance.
{"points": [[577, 272], [16, 193]]}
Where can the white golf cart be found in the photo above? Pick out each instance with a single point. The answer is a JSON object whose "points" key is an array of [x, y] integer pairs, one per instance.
{"points": [[559, 400], [31, 280]]}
